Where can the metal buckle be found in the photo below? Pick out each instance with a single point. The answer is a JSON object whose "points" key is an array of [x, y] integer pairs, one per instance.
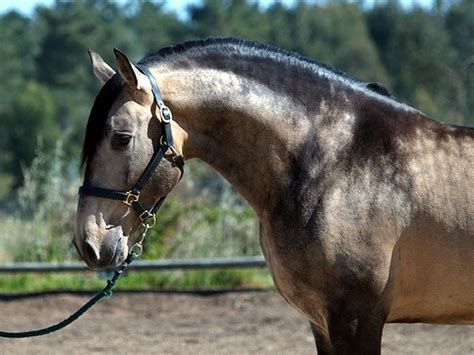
{"points": [[131, 198], [166, 115], [144, 216]]}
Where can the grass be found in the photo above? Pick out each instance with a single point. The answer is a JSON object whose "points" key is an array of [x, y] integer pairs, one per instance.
{"points": [[34, 282], [137, 280]]}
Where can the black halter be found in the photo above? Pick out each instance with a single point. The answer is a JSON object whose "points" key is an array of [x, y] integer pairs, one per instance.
{"points": [[132, 197]]}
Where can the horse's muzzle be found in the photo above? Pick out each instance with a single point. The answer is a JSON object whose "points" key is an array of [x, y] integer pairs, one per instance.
{"points": [[105, 252]]}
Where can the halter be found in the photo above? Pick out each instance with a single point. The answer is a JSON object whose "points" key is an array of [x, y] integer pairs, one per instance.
{"points": [[131, 198]]}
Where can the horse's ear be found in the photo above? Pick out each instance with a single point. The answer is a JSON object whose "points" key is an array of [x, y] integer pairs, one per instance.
{"points": [[101, 69], [135, 78]]}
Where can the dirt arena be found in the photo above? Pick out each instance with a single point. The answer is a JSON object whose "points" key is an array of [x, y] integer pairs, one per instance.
{"points": [[228, 323]]}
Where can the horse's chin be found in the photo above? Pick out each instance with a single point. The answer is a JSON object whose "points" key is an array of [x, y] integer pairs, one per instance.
{"points": [[121, 253]]}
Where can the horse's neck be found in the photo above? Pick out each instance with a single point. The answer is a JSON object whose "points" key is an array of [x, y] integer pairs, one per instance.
{"points": [[246, 131]]}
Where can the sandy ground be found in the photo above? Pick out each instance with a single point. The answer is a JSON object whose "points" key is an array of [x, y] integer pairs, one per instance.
{"points": [[230, 323]]}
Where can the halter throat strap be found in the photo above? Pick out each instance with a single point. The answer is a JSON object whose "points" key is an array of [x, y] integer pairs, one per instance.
{"points": [[132, 197]]}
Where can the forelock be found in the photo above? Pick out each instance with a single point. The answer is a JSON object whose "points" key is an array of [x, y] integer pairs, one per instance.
{"points": [[98, 116]]}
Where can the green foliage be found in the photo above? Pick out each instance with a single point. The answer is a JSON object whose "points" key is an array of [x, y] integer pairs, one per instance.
{"points": [[31, 282], [69, 29], [460, 28], [424, 44], [227, 18], [154, 28], [208, 225], [18, 50], [28, 121], [41, 222], [337, 35]]}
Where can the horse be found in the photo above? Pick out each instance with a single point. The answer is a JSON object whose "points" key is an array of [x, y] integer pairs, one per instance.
{"points": [[365, 204]]}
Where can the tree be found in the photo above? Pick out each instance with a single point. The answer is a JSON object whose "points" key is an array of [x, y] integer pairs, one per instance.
{"points": [[460, 25], [228, 18], [67, 30], [382, 20], [154, 28], [421, 61], [336, 35], [278, 17], [29, 122], [18, 50]]}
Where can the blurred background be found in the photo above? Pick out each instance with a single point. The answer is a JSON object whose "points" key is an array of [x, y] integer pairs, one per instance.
{"points": [[422, 51]]}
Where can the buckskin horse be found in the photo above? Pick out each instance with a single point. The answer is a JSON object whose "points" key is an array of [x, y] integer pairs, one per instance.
{"points": [[365, 204]]}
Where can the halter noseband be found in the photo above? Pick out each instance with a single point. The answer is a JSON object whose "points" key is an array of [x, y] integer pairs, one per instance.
{"points": [[132, 197]]}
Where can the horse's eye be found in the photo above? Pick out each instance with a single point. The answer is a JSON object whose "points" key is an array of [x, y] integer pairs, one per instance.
{"points": [[121, 140]]}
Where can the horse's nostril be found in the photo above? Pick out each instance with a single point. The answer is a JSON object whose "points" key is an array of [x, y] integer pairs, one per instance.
{"points": [[91, 252], [99, 253]]}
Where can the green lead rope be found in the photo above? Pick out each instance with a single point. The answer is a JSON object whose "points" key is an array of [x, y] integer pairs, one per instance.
{"points": [[106, 292]]}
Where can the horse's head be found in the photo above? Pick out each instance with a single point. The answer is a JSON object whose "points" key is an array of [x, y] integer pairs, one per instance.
{"points": [[123, 135]]}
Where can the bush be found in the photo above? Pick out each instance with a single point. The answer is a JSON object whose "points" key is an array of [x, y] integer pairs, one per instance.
{"points": [[198, 222], [40, 226]]}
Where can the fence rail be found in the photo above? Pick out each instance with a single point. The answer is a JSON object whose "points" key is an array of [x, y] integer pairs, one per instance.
{"points": [[162, 264]]}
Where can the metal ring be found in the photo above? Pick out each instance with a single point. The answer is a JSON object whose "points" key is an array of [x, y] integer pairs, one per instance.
{"points": [[162, 142], [153, 223], [136, 249]]}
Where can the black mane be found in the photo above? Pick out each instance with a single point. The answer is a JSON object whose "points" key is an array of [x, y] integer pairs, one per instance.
{"points": [[234, 45]]}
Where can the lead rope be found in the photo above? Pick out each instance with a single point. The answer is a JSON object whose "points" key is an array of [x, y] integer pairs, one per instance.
{"points": [[135, 252]]}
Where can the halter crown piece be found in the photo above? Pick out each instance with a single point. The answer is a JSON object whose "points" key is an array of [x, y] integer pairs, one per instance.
{"points": [[132, 197]]}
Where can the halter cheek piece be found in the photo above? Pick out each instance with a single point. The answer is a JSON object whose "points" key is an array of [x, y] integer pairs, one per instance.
{"points": [[132, 197]]}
